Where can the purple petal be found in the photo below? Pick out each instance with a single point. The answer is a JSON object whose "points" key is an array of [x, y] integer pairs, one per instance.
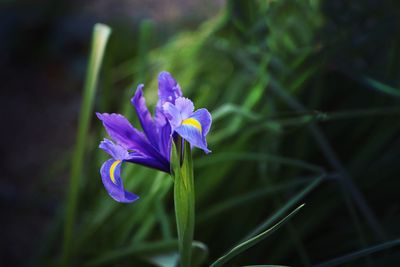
{"points": [[191, 131], [168, 88], [163, 131], [144, 116], [114, 150], [110, 175], [173, 115], [165, 140], [120, 129], [185, 107], [148, 162], [204, 117]]}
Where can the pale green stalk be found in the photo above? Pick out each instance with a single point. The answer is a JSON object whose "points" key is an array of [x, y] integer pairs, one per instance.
{"points": [[101, 33], [184, 198]]}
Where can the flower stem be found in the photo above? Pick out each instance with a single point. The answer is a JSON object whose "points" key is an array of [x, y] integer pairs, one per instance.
{"points": [[184, 198]]}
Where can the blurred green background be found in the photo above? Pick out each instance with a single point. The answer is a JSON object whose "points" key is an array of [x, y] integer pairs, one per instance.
{"points": [[305, 102]]}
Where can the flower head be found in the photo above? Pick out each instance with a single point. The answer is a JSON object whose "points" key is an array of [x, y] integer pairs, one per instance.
{"points": [[152, 147], [191, 125]]}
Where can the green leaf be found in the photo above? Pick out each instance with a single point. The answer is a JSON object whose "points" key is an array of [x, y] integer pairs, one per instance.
{"points": [[184, 201], [382, 87], [288, 205], [252, 241]]}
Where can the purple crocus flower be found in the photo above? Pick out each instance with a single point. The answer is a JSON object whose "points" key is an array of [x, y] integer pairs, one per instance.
{"points": [[152, 147]]}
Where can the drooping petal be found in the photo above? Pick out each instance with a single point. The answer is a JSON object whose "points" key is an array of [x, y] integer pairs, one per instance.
{"points": [[185, 107], [144, 116], [195, 128], [191, 132], [168, 88], [111, 177], [114, 150], [204, 118]]}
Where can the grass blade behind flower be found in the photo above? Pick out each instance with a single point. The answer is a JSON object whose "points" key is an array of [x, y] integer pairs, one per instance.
{"points": [[100, 36], [288, 205], [252, 241]]}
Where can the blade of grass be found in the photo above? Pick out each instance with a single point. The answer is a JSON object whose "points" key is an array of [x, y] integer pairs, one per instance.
{"points": [[289, 204], [358, 254], [374, 84], [252, 241], [99, 40]]}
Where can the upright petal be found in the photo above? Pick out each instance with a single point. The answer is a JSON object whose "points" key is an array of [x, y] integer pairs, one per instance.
{"points": [[185, 107], [168, 88], [165, 140], [110, 175], [144, 116], [173, 114], [163, 131]]}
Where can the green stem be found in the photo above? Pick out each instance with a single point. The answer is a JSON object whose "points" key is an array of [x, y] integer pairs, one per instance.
{"points": [[184, 198], [99, 40]]}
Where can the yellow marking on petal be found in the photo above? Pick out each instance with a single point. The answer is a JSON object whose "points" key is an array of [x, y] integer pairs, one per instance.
{"points": [[112, 170], [193, 122]]}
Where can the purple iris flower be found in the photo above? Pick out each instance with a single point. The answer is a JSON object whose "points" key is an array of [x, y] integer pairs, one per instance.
{"points": [[152, 147]]}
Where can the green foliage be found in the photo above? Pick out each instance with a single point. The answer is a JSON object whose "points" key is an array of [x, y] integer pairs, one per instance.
{"points": [[252, 241], [289, 113]]}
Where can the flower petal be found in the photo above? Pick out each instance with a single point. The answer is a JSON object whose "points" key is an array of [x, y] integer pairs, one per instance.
{"points": [[144, 116], [119, 128], [168, 88], [173, 115], [114, 150], [191, 130], [165, 140], [204, 118], [148, 162], [110, 175], [185, 107]]}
